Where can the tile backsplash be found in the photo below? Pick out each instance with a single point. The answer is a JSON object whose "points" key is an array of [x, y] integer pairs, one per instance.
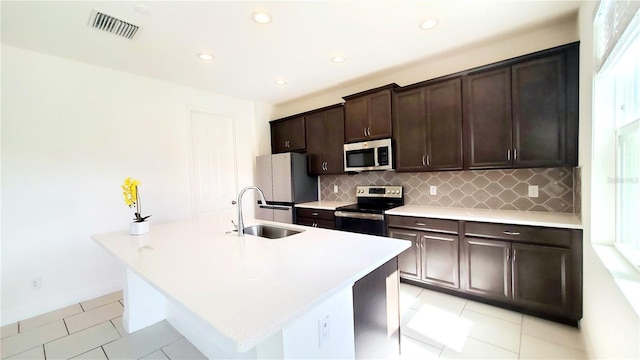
{"points": [[481, 189]]}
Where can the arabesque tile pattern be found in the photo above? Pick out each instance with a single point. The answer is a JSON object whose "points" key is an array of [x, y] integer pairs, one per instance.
{"points": [[479, 189]]}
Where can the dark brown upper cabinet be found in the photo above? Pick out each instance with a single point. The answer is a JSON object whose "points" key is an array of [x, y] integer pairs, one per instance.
{"points": [[427, 127], [487, 115], [523, 113], [368, 114], [539, 107], [325, 140], [288, 135]]}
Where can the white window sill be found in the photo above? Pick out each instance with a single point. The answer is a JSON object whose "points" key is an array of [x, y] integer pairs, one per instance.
{"points": [[626, 276]]}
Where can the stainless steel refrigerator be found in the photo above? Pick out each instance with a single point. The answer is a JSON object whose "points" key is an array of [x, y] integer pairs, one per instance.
{"points": [[285, 182]]}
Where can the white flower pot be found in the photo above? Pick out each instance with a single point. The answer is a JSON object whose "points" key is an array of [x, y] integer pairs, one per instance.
{"points": [[139, 228]]}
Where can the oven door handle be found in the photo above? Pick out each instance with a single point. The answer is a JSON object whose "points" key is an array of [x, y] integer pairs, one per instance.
{"points": [[357, 215]]}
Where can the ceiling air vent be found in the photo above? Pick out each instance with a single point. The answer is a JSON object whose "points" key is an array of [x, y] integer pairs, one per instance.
{"points": [[108, 23]]}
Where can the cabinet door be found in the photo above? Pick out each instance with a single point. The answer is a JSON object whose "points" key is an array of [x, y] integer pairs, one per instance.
{"points": [[541, 276], [409, 260], [315, 126], [296, 134], [334, 141], [439, 255], [379, 115], [409, 130], [279, 137], [444, 125], [539, 112], [487, 115], [356, 119], [486, 268]]}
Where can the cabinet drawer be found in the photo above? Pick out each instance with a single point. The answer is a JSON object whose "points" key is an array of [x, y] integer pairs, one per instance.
{"points": [[521, 233], [420, 223], [325, 224], [315, 214]]}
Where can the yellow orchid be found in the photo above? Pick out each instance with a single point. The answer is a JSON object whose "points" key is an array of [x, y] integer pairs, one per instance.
{"points": [[132, 197]]}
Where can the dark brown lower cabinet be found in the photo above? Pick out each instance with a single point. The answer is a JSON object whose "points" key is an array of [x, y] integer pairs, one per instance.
{"points": [[535, 270], [315, 218], [541, 276], [376, 313], [485, 268], [433, 255]]}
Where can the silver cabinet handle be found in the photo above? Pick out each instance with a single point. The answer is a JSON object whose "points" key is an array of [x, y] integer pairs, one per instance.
{"points": [[512, 233], [514, 256], [420, 224], [508, 154], [515, 154], [314, 214], [364, 131], [424, 160], [506, 251], [369, 131], [428, 161]]}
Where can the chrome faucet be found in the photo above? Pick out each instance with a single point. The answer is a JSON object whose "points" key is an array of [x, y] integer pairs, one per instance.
{"points": [[240, 219]]}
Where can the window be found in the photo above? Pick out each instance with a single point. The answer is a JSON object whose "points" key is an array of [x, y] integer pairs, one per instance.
{"points": [[618, 102], [628, 191]]}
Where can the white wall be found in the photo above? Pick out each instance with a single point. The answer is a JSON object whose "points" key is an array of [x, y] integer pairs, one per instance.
{"points": [[527, 41], [610, 325], [71, 133]]}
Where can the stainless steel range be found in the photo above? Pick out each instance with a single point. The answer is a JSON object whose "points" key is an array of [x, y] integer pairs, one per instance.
{"points": [[367, 215]]}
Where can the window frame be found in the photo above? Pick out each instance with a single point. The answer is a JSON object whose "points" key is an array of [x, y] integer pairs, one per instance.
{"points": [[630, 254]]}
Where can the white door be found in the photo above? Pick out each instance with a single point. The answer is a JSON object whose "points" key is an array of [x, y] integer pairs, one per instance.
{"points": [[213, 170]]}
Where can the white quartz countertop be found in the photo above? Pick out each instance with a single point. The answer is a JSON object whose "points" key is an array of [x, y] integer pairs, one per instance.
{"points": [[248, 288], [531, 218], [324, 205]]}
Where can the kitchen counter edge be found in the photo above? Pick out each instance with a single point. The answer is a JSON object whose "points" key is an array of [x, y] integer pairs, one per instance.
{"points": [[324, 205], [530, 218]]}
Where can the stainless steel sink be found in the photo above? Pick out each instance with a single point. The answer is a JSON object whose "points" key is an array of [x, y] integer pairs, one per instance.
{"points": [[269, 232]]}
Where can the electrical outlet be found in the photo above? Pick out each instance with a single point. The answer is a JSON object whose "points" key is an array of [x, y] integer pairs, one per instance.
{"points": [[335, 189], [433, 190], [323, 330], [533, 191], [36, 283]]}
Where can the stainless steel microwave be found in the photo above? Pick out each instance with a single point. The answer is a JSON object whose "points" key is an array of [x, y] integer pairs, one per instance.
{"points": [[368, 155]]}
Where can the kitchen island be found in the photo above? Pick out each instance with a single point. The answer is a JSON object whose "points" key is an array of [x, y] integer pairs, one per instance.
{"points": [[249, 297]]}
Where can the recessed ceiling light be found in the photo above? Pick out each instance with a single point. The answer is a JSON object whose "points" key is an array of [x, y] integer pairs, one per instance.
{"points": [[261, 17], [280, 82], [205, 56], [338, 59], [142, 9], [428, 24]]}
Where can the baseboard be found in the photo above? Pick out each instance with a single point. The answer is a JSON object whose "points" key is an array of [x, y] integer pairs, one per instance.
{"points": [[48, 304]]}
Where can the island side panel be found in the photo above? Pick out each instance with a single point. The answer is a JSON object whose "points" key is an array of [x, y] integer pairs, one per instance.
{"points": [[143, 305], [376, 313]]}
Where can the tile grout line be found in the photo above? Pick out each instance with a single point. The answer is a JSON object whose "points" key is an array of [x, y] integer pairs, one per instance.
{"points": [[520, 351], [493, 317], [555, 343]]}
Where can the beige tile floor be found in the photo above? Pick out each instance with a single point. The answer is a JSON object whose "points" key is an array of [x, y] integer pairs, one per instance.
{"points": [[92, 330], [434, 325]]}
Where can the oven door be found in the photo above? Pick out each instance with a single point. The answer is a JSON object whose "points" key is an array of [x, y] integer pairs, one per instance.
{"points": [[363, 223]]}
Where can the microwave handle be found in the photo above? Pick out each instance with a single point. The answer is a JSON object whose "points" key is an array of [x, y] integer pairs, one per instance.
{"points": [[376, 162]]}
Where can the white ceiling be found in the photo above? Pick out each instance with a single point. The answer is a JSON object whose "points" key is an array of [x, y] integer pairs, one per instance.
{"points": [[296, 46]]}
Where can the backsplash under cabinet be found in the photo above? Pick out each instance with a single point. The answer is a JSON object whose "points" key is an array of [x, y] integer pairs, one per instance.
{"points": [[505, 189]]}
